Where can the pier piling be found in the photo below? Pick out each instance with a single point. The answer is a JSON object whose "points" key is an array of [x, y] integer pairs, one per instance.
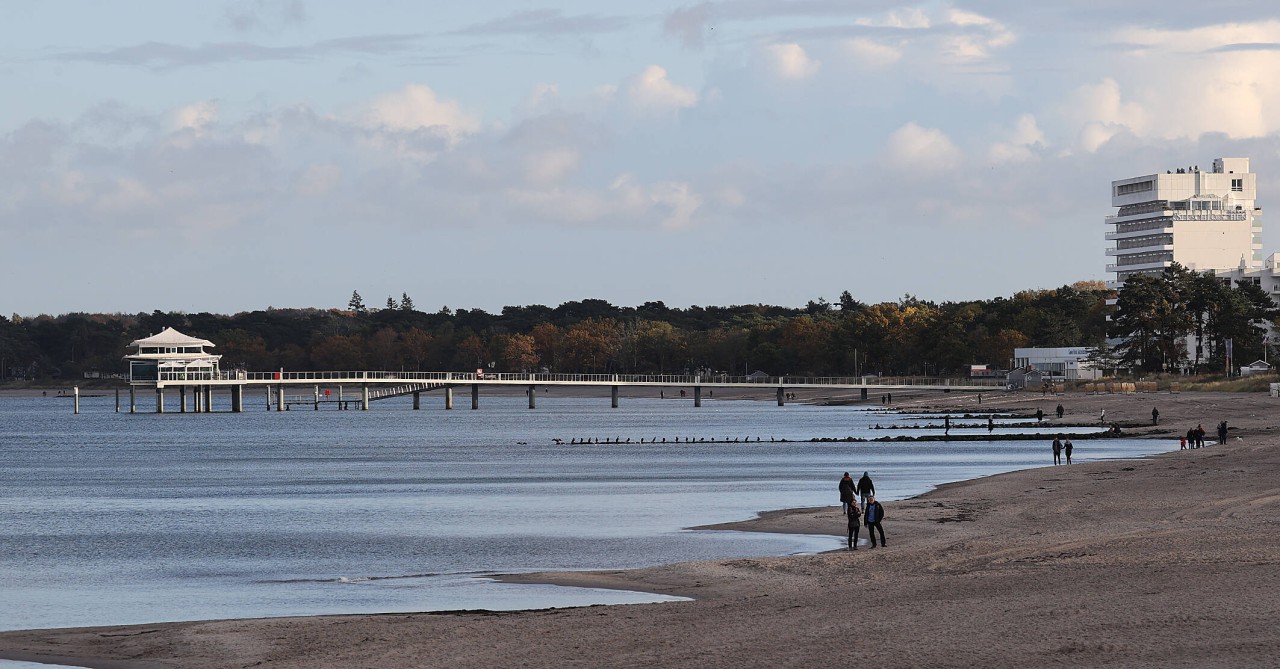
{"points": [[614, 394], [448, 398], [76, 391], [475, 396]]}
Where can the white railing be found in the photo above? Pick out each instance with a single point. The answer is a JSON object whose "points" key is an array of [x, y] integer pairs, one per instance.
{"points": [[444, 378]]}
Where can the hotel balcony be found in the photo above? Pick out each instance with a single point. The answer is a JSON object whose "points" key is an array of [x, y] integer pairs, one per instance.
{"points": [[1113, 251], [1154, 264]]}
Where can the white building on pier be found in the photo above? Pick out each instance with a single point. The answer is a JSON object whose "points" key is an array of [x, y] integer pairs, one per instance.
{"points": [[171, 352]]}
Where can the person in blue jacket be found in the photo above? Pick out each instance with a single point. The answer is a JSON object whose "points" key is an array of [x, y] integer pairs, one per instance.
{"points": [[874, 514]]}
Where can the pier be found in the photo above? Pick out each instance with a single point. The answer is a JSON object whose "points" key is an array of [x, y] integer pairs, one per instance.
{"points": [[174, 362]]}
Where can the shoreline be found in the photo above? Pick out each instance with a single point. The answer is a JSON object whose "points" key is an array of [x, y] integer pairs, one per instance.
{"points": [[982, 543]]}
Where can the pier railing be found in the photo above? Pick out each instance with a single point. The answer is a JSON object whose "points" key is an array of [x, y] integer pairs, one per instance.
{"points": [[580, 379]]}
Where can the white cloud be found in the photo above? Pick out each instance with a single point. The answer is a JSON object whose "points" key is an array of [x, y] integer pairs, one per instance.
{"points": [[417, 107], [791, 62], [870, 54], [911, 19], [652, 91], [196, 117], [1022, 138], [912, 147], [1100, 112], [551, 165]]}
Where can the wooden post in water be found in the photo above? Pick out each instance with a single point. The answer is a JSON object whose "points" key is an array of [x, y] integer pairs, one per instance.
{"points": [[475, 396], [76, 390], [117, 400], [159, 400], [417, 400], [781, 397], [317, 393], [364, 397], [697, 396], [280, 397], [133, 399], [614, 396], [533, 394], [448, 398]]}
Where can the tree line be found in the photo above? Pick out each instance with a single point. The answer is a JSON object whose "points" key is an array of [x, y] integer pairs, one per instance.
{"points": [[1181, 320], [909, 336]]}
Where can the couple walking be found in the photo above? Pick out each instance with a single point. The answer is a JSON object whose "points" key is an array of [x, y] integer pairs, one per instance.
{"points": [[871, 512]]}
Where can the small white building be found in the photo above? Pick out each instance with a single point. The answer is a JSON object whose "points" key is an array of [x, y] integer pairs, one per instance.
{"points": [[1065, 363], [1255, 367], [178, 356]]}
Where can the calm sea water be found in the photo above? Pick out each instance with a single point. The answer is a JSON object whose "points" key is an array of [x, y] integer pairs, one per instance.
{"points": [[112, 518]]}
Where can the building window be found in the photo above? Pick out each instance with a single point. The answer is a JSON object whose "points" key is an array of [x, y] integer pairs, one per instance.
{"points": [[1237, 185], [1139, 187]]}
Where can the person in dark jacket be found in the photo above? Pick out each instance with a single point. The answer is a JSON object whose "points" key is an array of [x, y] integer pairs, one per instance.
{"points": [[865, 488], [854, 512], [846, 492], [1222, 433], [1066, 449], [1057, 450], [874, 514]]}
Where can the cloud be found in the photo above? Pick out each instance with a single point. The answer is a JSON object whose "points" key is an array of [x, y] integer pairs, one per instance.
{"points": [[1023, 138], [248, 15], [791, 62], [912, 147], [547, 22], [652, 91], [163, 56], [870, 54], [196, 117], [417, 107], [1100, 112]]}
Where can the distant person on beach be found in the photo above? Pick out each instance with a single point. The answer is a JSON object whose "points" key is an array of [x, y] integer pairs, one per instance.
{"points": [[846, 492], [1103, 417], [866, 489], [890, 398], [853, 513], [1039, 414], [1061, 411], [1200, 435], [874, 514], [1155, 416], [946, 424], [991, 425], [1222, 433], [1057, 450], [1066, 449]]}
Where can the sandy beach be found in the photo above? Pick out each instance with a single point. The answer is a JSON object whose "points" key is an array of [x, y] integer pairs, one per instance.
{"points": [[1168, 561]]}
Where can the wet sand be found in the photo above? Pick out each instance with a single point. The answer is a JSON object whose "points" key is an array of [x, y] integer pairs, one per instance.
{"points": [[1168, 561]]}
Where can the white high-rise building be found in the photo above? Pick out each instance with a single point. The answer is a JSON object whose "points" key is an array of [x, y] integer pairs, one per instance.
{"points": [[1203, 220]]}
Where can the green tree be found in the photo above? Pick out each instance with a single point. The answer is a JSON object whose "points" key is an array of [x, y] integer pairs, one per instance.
{"points": [[406, 302], [356, 304]]}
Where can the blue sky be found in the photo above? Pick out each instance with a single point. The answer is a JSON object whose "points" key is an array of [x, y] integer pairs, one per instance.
{"points": [[227, 156]]}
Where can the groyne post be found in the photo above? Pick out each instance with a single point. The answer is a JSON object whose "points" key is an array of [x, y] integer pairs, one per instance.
{"points": [[364, 397], [76, 391], [117, 400], [280, 397], [448, 398], [782, 401], [614, 395], [417, 400], [533, 394], [475, 396], [697, 396]]}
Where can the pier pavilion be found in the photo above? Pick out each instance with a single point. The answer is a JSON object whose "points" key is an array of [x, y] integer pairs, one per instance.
{"points": [[172, 359]]}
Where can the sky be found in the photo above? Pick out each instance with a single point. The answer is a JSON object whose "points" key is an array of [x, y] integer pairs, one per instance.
{"points": [[233, 156]]}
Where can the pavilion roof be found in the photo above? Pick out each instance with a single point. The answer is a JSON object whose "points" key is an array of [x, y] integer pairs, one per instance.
{"points": [[171, 337]]}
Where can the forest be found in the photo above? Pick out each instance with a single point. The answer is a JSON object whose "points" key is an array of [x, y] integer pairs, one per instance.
{"points": [[844, 337]]}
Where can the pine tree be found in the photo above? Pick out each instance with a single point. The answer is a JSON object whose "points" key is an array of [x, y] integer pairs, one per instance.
{"points": [[406, 302], [357, 303], [391, 302]]}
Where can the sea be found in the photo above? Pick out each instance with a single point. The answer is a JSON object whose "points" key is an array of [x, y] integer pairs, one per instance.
{"points": [[109, 518]]}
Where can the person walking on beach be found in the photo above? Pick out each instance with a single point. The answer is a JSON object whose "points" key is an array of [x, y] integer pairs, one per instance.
{"points": [[853, 513], [846, 492], [874, 514], [1222, 433], [1155, 416], [1057, 450], [946, 424], [991, 425], [866, 489], [1039, 414], [1066, 449], [1061, 411], [1103, 418]]}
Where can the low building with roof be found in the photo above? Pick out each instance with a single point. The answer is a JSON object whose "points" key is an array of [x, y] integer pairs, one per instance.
{"points": [[176, 355]]}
